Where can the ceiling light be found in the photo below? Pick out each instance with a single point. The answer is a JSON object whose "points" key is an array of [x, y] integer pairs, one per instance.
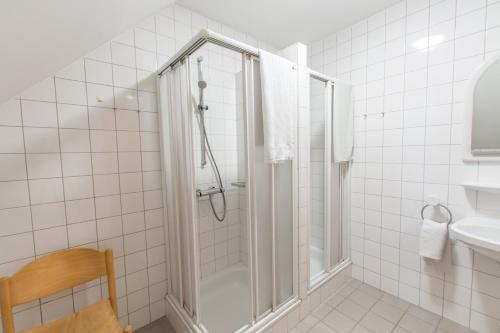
{"points": [[423, 43]]}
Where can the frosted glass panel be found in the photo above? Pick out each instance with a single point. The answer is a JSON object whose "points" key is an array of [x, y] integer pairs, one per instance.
{"points": [[317, 179], [263, 181], [284, 230]]}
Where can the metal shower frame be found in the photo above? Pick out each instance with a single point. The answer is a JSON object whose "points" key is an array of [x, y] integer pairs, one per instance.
{"points": [[250, 56]]}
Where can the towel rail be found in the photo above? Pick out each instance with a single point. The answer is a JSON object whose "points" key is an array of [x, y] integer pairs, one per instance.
{"points": [[437, 205]]}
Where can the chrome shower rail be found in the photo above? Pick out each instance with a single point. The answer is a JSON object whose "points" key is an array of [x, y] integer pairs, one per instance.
{"points": [[203, 37]]}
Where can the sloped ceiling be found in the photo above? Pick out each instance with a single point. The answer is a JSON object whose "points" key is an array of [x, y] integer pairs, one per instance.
{"points": [[283, 22], [39, 37]]}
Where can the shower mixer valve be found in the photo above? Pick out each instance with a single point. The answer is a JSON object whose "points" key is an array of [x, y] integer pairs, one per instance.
{"points": [[209, 191], [207, 150]]}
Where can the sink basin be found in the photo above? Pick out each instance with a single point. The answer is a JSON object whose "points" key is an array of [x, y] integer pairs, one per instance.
{"points": [[481, 233]]}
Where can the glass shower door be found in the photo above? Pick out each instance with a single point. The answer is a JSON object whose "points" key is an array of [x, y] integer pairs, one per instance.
{"points": [[220, 140], [274, 202]]}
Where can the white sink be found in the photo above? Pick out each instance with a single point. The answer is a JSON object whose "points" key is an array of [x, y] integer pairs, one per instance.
{"points": [[481, 233]]}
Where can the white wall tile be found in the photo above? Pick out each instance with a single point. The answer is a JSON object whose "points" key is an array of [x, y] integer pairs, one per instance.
{"points": [[82, 233], [100, 95], [50, 240], [103, 163], [16, 247], [15, 221], [103, 141], [74, 141], [80, 210], [11, 140], [48, 215], [125, 77], [46, 190], [43, 165], [78, 187], [12, 167], [98, 72], [76, 164], [123, 55], [14, 194], [101, 118], [107, 206], [145, 40], [72, 116], [39, 114], [70, 92], [41, 140], [464, 6]]}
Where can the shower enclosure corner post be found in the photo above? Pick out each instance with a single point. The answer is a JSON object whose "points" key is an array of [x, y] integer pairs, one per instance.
{"points": [[163, 184], [179, 190], [195, 256], [328, 173]]}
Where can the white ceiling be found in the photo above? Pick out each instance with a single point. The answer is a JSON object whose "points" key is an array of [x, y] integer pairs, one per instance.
{"points": [[283, 22], [39, 37]]}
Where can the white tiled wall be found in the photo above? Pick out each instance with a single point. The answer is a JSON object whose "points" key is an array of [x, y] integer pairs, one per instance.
{"points": [[409, 124], [80, 166]]}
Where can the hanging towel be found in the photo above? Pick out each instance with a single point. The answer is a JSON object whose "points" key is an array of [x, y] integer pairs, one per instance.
{"points": [[433, 237], [343, 133], [279, 107]]}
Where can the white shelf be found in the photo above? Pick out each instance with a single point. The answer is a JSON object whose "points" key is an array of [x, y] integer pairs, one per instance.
{"points": [[492, 188]]}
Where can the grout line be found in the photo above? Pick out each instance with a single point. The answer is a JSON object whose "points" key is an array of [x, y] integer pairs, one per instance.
{"points": [[403, 112], [142, 174], [383, 146], [62, 182], [39, 304]]}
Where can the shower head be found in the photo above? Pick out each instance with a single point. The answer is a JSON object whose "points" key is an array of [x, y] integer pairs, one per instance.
{"points": [[202, 84]]}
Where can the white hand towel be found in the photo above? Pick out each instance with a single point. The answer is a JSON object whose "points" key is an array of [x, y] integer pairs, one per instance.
{"points": [[279, 107], [433, 237], [343, 133]]}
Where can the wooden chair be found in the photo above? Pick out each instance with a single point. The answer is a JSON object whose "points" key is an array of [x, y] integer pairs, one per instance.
{"points": [[57, 272]]}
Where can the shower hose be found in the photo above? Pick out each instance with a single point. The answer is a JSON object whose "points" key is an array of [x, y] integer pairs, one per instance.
{"points": [[219, 179]]}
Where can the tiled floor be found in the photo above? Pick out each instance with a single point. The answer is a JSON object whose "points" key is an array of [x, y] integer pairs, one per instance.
{"points": [[360, 308], [159, 326]]}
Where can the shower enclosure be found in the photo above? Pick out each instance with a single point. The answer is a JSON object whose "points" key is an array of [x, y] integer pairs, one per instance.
{"points": [[231, 218], [327, 232]]}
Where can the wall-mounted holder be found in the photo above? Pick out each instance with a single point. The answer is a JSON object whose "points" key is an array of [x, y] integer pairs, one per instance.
{"points": [[433, 201]]}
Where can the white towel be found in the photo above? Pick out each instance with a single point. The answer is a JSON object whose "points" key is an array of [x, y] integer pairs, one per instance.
{"points": [[433, 237], [343, 133], [279, 107]]}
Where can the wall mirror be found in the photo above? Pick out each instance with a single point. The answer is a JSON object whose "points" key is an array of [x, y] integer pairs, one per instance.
{"points": [[482, 136]]}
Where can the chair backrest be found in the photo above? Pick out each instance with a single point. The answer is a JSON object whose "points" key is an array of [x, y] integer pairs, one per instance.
{"points": [[54, 273]]}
